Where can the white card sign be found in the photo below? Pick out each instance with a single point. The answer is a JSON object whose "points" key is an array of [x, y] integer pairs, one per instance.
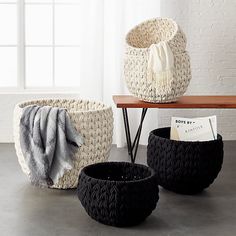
{"points": [[194, 129]]}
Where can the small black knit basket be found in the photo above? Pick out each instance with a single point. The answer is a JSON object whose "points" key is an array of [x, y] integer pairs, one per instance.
{"points": [[184, 167], [118, 193]]}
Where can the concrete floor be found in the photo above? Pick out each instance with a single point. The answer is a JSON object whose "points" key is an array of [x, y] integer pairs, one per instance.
{"points": [[29, 211]]}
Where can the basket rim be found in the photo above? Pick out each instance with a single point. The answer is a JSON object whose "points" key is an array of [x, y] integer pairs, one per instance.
{"points": [[219, 138], [122, 163], [21, 105], [146, 21]]}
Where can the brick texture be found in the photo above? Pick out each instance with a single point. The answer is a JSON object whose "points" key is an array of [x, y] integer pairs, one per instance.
{"points": [[210, 27]]}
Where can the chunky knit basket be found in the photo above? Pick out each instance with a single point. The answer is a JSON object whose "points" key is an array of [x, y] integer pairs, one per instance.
{"points": [[118, 193], [93, 120], [184, 167], [138, 41]]}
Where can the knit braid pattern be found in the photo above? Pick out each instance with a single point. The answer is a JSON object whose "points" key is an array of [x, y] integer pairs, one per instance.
{"points": [[93, 120], [118, 193], [184, 167], [138, 41]]}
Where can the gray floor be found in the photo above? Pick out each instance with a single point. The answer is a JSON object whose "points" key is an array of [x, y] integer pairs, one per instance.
{"points": [[27, 210]]}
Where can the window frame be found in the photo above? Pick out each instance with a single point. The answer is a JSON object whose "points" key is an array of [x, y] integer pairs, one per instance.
{"points": [[21, 48]]}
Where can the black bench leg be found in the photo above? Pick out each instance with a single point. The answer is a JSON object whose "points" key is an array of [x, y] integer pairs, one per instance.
{"points": [[133, 148]]}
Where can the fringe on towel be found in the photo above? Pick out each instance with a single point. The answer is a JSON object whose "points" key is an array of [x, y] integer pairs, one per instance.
{"points": [[161, 80]]}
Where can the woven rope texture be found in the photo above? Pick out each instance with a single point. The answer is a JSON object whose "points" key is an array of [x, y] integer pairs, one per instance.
{"points": [[93, 120], [138, 41], [118, 193], [184, 167]]}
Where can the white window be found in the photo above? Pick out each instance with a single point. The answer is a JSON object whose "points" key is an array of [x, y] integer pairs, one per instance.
{"points": [[39, 44], [8, 43]]}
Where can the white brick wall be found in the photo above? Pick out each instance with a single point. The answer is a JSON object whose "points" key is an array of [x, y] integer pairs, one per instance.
{"points": [[210, 27]]}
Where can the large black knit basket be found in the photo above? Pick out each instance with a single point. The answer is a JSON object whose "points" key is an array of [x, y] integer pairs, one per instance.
{"points": [[118, 193], [184, 167]]}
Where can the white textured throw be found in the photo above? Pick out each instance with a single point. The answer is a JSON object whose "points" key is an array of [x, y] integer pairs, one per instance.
{"points": [[160, 67]]}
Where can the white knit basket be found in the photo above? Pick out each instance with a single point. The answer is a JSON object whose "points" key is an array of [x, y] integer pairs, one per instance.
{"points": [[93, 120], [138, 41]]}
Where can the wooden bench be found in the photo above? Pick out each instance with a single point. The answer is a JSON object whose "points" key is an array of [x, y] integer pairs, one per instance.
{"points": [[186, 102]]}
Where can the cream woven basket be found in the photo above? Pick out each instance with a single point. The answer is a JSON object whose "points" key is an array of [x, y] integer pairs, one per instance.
{"points": [[138, 41], [93, 120]]}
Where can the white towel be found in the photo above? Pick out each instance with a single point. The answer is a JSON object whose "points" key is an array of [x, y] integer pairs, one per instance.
{"points": [[160, 68]]}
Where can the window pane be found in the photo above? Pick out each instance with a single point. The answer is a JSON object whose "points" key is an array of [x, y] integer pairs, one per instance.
{"points": [[8, 30], [67, 66], [67, 24], [8, 68], [8, 1], [39, 67], [39, 28]]}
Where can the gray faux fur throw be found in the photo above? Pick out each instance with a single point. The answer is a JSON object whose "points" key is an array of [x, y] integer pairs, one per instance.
{"points": [[48, 142]]}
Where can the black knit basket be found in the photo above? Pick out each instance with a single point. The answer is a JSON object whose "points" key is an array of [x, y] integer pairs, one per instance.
{"points": [[118, 193], [184, 167]]}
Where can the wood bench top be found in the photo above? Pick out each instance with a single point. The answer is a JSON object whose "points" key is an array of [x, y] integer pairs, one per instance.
{"points": [[129, 101]]}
